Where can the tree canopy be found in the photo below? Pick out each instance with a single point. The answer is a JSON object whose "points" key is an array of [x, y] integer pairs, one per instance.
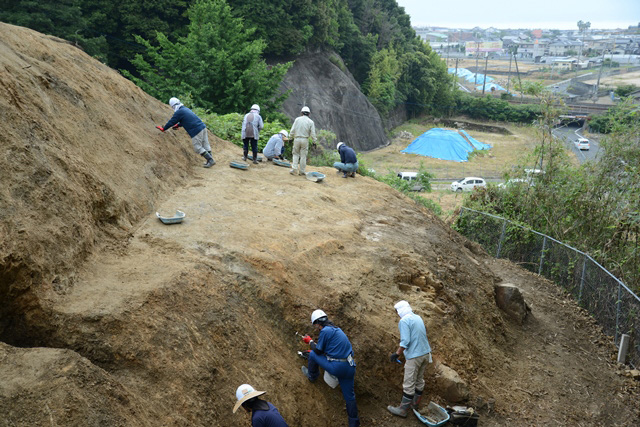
{"points": [[218, 64], [367, 34]]}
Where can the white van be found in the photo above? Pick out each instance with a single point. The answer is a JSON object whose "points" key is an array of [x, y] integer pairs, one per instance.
{"points": [[408, 176]]}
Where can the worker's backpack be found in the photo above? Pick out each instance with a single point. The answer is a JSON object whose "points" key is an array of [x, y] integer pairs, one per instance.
{"points": [[463, 416]]}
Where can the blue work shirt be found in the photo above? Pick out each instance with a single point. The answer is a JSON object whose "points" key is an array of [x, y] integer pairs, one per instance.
{"points": [[334, 343], [347, 154], [270, 418], [413, 336], [188, 120]]}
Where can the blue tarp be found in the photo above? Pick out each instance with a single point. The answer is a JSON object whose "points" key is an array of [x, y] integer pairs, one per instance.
{"points": [[445, 144], [467, 75]]}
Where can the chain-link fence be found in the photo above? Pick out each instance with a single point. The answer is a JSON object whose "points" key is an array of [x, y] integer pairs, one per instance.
{"points": [[614, 306]]}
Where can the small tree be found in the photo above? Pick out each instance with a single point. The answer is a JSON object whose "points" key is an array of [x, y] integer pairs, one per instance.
{"points": [[218, 63]]}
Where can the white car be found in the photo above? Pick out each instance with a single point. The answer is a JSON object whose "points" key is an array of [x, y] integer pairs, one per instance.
{"points": [[467, 184], [516, 181], [582, 144]]}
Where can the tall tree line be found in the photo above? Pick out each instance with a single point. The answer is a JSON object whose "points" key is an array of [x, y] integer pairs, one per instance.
{"points": [[373, 37]]}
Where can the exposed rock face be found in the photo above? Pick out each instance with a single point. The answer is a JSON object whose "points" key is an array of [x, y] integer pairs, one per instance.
{"points": [[510, 300], [335, 101]]}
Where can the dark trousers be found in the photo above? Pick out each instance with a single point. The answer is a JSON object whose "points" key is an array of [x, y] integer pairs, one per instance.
{"points": [[346, 376], [254, 147]]}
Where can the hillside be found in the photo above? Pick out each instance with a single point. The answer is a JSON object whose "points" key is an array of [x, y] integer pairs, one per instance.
{"points": [[109, 317]]}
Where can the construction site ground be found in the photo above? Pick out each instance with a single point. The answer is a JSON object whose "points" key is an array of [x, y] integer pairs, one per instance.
{"points": [[110, 317]]}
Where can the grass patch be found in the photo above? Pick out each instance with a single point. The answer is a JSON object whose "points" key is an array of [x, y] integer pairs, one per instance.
{"points": [[505, 151]]}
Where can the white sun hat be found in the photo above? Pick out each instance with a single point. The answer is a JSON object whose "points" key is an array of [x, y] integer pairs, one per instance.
{"points": [[244, 393]]}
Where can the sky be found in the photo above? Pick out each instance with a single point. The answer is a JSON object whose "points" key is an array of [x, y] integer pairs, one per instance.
{"points": [[529, 14]]}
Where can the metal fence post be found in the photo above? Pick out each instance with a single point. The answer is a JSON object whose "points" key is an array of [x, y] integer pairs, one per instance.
{"points": [[544, 247], [504, 226], [584, 266], [618, 303]]}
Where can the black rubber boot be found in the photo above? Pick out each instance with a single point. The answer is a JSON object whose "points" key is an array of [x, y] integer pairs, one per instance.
{"points": [[210, 161]]}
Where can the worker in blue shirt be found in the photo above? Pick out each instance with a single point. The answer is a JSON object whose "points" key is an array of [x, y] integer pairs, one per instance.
{"points": [[197, 130], [348, 163], [263, 414], [334, 354], [414, 344]]}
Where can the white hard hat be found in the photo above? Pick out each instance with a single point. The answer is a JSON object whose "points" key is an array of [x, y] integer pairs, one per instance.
{"points": [[305, 109], [339, 144], [244, 393], [284, 133], [173, 101], [317, 314], [255, 107]]}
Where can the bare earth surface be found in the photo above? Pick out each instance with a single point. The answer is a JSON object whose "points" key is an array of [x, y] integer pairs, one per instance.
{"points": [[110, 317]]}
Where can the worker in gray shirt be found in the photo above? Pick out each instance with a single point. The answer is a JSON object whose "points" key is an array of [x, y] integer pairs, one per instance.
{"points": [[252, 124], [302, 130], [275, 146]]}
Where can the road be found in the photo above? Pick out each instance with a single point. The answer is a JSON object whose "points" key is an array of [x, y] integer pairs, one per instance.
{"points": [[570, 133]]}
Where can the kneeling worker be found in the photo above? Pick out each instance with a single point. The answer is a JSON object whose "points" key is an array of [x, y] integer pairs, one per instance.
{"points": [[275, 146], [348, 163], [334, 354], [263, 414]]}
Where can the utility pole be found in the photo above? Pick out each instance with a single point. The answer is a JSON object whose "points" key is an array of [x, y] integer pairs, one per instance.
{"points": [[595, 94], [484, 81], [455, 76], [515, 58], [509, 74], [475, 79]]}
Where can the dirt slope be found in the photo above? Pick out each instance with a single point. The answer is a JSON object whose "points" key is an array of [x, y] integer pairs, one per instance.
{"points": [[150, 325]]}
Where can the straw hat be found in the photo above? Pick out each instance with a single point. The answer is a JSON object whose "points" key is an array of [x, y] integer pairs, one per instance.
{"points": [[244, 393]]}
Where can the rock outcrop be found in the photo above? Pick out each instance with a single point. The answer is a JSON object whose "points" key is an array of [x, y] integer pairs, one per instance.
{"points": [[335, 100]]}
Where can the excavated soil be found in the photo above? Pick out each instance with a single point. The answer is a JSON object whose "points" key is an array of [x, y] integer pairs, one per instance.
{"points": [[109, 317]]}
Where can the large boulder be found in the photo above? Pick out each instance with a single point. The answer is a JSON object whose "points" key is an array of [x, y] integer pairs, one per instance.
{"points": [[450, 386], [335, 100], [510, 300]]}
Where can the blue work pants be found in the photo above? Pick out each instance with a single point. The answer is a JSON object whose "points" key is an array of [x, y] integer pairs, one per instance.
{"points": [[346, 376]]}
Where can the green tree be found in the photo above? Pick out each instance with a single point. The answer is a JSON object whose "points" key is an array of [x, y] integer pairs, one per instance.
{"points": [[286, 25], [383, 77], [625, 90], [218, 63], [61, 18]]}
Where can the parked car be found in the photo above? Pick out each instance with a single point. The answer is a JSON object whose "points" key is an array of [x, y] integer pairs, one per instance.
{"points": [[467, 184], [411, 176], [582, 144], [516, 181], [408, 176]]}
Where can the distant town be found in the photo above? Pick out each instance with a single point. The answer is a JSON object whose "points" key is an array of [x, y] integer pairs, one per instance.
{"points": [[571, 49]]}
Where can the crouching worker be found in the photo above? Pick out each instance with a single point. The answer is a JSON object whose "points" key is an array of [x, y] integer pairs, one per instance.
{"points": [[334, 354], [417, 353], [275, 146], [348, 163], [197, 130], [263, 414]]}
